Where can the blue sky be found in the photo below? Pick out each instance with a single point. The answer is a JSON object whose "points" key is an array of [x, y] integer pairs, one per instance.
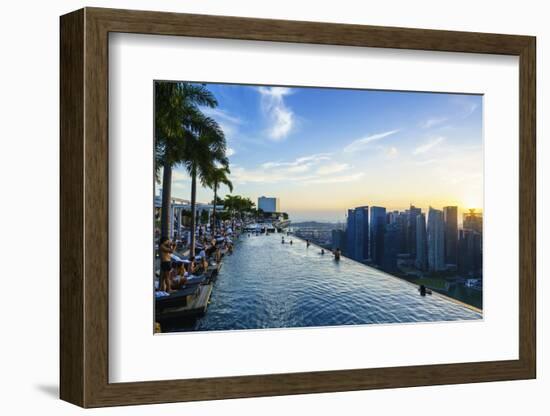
{"points": [[322, 150]]}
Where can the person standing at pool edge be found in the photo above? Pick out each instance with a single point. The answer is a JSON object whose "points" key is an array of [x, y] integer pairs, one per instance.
{"points": [[166, 248], [337, 254]]}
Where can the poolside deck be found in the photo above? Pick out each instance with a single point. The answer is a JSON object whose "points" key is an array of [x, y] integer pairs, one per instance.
{"points": [[194, 307]]}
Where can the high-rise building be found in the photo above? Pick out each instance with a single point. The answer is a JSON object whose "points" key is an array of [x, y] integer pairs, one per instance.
{"points": [[350, 250], [392, 245], [411, 230], [421, 243], [339, 240], [470, 256], [402, 220], [450, 215], [362, 232], [357, 233], [436, 240], [392, 217], [377, 230], [269, 204], [473, 220]]}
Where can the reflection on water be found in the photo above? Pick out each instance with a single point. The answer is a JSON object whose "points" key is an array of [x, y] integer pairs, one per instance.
{"points": [[266, 284]]}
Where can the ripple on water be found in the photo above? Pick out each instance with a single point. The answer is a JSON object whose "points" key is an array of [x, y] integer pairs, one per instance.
{"points": [[266, 284]]}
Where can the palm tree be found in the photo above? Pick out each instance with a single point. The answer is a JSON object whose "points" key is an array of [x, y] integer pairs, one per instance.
{"points": [[205, 151], [217, 177], [176, 104], [232, 204]]}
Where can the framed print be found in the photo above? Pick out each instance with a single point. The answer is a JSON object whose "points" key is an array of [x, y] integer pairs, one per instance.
{"points": [[260, 207]]}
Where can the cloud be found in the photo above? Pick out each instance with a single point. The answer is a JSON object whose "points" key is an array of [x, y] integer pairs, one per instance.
{"points": [[337, 179], [361, 144], [280, 117], [229, 123], [311, 169], [392, 152], [426, 162], [426, 147], [299, 169], [465, 105], [301, 161], [333, 168], [218, 114], [432, 122], [470, 108], [243, 175], [229, 151]]}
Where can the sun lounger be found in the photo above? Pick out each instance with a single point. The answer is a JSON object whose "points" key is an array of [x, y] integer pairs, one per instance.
{"points": [[196, 279], [179, 298]]}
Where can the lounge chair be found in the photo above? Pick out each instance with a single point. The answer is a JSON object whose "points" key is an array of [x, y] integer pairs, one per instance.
{"points": [[178, 298]]}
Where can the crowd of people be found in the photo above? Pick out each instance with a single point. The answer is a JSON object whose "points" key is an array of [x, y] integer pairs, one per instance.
{"points": [[177, 270]]}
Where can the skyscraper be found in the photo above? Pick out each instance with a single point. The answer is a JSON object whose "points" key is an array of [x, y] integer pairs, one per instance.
{"points": [[470, 253], [451, 234], [269, 204], [421, 243], [473, 220], [362, 233], [350, 250], [436, 240], [392, 244], [392, 217], [357, 233], [411, 230], [339, 240], [377, 230], [402, 220]]}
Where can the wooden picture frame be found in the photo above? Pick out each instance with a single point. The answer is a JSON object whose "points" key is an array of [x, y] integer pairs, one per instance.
{"points": [[84, 207]]}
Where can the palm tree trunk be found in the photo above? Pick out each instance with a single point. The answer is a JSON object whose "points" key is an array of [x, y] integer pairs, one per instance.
{"points": [[193, 209], [214, 209], [166, 197]]}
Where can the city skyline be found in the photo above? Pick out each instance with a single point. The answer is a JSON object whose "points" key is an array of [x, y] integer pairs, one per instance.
{"points": [[411, 242], [323, 150]]}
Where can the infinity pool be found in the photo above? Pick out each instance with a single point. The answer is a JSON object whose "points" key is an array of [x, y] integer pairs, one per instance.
{"points": [[266, 284]]}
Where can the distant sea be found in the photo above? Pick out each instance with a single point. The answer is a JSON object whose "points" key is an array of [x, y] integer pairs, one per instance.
{"points": [[319, 216]]}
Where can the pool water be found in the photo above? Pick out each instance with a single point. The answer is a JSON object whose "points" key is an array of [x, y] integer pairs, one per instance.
{"points": [[266, 284]]}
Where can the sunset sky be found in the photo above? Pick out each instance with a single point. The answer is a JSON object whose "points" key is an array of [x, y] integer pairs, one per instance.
{"points": [[324, 150]]}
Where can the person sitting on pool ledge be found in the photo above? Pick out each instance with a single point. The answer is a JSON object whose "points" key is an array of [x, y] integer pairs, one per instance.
{"points": [[423, 291], [204, 262], [337, 254], [166, 248], [192, 266], [178, 276]]}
